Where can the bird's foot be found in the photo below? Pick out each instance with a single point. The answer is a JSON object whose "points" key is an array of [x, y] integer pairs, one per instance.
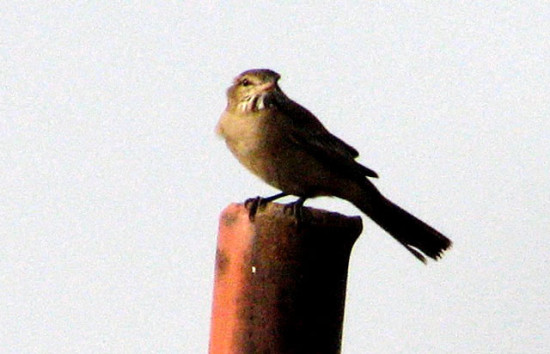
{"points": [[258, 203], [297, 210], [253, 204]]}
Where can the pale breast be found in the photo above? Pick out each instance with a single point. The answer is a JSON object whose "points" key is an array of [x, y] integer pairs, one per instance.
{"points": [[240, 133], [245, 137]]}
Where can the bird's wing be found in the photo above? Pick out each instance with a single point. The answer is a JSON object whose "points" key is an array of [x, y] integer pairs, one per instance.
{"points": [[308, 133]]}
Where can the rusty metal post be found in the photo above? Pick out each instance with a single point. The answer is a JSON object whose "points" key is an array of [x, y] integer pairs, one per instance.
{"points": [[280, 287]]}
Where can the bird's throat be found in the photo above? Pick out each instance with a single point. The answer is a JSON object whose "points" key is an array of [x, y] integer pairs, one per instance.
{"points": [[253, 103]]}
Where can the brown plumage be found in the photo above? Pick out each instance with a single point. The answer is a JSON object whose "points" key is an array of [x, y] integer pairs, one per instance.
{"points": [[287, 146]]}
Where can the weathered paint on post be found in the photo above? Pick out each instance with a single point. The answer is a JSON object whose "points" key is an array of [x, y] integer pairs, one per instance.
{"points": [[280, 286]]}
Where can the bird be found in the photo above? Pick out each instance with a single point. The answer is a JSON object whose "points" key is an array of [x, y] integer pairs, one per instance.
{"points": [[285, 145]]}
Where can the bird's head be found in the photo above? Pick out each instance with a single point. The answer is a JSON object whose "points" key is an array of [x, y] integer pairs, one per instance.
{"points": [[250, 89]]}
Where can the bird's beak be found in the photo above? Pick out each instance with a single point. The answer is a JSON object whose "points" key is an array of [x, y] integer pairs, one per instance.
{"points": [[267, 86]]}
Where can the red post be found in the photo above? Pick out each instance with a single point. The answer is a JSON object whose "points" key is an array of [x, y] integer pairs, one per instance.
{"points": [[279, 286]]}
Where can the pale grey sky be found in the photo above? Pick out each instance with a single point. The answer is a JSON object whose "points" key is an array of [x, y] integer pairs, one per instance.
{"points": [[112, 179]]}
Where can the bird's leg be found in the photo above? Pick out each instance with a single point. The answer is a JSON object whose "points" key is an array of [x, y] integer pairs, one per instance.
{"points": [[253, 204], [297, 209]]}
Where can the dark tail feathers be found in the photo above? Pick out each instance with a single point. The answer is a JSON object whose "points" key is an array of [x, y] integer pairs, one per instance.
{"points": [[418, 237]]}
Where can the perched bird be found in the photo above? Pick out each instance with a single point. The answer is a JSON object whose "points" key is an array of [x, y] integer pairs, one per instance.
{"points": [[287, 146]]}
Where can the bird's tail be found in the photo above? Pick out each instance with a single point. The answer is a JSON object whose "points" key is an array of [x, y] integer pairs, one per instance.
{"points": [[418, 237]]}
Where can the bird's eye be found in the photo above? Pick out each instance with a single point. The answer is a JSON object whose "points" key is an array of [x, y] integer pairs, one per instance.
{"points": [[245, 82]]}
